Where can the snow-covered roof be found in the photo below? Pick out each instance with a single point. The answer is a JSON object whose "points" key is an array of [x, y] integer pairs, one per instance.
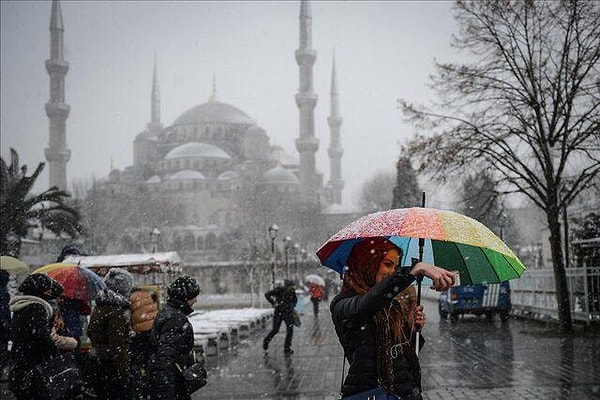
{"points": [[142, 263]]}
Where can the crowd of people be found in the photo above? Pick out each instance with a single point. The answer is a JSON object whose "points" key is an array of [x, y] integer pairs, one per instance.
{"points": [[142, 351], [137, 351]]}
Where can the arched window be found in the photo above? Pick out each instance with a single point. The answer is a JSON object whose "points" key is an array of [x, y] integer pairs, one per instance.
{"points": [[189, 243], [177, 243], [210, 243], [128, 243], [200, 243]]}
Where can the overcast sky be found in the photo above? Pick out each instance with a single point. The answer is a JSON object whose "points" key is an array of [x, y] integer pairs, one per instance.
{"points": [[384, 51]]}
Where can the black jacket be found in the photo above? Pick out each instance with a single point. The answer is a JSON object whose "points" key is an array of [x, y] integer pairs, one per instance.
{"points": [[173, 342], [352, 316], [283, 298], [32, 342]]}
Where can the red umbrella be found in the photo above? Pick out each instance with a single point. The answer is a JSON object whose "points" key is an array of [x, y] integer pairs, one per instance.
{"points": [[78, 282]]}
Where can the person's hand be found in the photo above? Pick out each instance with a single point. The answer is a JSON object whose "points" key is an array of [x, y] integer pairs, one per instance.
{"points": [[419, 317], [442, 279]]}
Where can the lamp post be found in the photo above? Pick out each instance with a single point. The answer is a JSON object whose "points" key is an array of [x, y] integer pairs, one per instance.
{"points": [[154, 236], [273, 235], [286, 249], [303, 256], [296, 247]]}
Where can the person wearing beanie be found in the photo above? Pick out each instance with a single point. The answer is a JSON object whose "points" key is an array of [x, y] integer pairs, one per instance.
{"points": [[108, 331], [31, 332], [284, 299], [173, 339], [143, 313]]}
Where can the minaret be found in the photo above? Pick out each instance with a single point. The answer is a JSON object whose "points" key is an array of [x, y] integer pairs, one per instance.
{"points": [[306, 100], [335, 151], [155, 125], [57, 110]]}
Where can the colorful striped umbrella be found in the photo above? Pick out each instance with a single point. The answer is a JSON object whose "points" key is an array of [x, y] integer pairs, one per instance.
{"points": [[451, 241], [78, 282]]}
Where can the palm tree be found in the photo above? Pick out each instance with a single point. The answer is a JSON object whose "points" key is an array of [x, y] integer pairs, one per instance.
{"points": [[21, 210]]}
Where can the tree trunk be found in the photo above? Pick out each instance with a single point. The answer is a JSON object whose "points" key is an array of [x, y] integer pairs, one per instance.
{"points": [[560, 276]]}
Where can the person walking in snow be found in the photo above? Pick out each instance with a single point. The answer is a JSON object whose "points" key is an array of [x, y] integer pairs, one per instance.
{"points": [[284, 299], [173, 342], [108, 331]]}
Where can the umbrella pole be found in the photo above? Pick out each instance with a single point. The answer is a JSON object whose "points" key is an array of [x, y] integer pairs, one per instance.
{"points": [[419, 280]]}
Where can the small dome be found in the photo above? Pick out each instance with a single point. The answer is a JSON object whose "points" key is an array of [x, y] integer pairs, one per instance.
{"points": [[213, 112], [154, 179], [279, 155], [197, 150], [227, 175], [256, 130], [280, 175], [186, 175], [146, 135]]}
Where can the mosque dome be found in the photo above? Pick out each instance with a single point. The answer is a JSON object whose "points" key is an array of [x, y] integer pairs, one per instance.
{"points": [[213, 112], [186, 175], [227, 175], [280, 175], [197, 150], [154, 179]]}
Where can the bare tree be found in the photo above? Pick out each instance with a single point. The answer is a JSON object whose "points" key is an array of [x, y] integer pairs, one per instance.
{"points": [[407, 192], [526, 105], [377, 192]]}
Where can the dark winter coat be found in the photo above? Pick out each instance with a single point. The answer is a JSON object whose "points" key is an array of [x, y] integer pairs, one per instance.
{"points": [[4, 316], [173, 342], [32, 342], [352, 316], [108, 331], [71, 311], [283, 298]]}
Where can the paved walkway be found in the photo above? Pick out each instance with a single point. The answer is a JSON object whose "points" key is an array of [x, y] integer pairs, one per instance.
{"points": [[472, 359]]}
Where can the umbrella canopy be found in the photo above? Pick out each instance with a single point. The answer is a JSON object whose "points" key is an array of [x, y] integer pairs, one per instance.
{"points": [[316, 279], [78, 282], [13, 265], [451, 241]]}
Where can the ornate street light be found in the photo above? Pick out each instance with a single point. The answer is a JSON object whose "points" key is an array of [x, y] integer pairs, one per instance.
{"points": [[286, 249], [273, 229], [295, 252], [154, 237]]}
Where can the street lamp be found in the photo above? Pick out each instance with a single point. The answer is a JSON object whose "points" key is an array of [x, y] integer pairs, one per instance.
{"points": [[154, 236], [273, 235], [286, 249], [303, 256], [296, 247]]}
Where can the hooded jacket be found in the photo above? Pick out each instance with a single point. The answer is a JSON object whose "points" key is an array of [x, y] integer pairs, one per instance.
{"points": [[108, 330], [31, 329]]}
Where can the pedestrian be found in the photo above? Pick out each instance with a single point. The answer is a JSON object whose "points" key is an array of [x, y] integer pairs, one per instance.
{"points": [[284, 299], [173, 340], [377, 335], [143, 312], [68, 250], [72, 311], [4, 324], [31, 333], [108, 331], [316, 295]]}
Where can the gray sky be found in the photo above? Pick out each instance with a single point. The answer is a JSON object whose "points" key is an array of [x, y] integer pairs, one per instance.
{"points": [[384, 50]]}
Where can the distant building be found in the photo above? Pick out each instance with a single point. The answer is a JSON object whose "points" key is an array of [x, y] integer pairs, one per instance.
{"points": [[203, 162]]}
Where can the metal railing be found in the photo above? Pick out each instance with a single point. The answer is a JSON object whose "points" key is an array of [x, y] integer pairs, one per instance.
{"points": [[535, 293]]}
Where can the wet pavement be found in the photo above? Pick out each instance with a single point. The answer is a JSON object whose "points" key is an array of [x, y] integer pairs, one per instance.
{"points": [[468, 360], [471, 359]]}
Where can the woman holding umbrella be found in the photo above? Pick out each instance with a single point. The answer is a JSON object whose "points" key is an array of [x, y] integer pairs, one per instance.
{"points": [[373, 328]]}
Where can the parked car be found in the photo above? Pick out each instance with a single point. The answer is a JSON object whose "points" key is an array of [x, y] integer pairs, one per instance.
{"points": [[484, 299]]}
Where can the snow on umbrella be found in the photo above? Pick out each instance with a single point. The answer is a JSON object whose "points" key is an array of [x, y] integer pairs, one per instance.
{"points": [[451, 241], [78, 282], [316, 279]]}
